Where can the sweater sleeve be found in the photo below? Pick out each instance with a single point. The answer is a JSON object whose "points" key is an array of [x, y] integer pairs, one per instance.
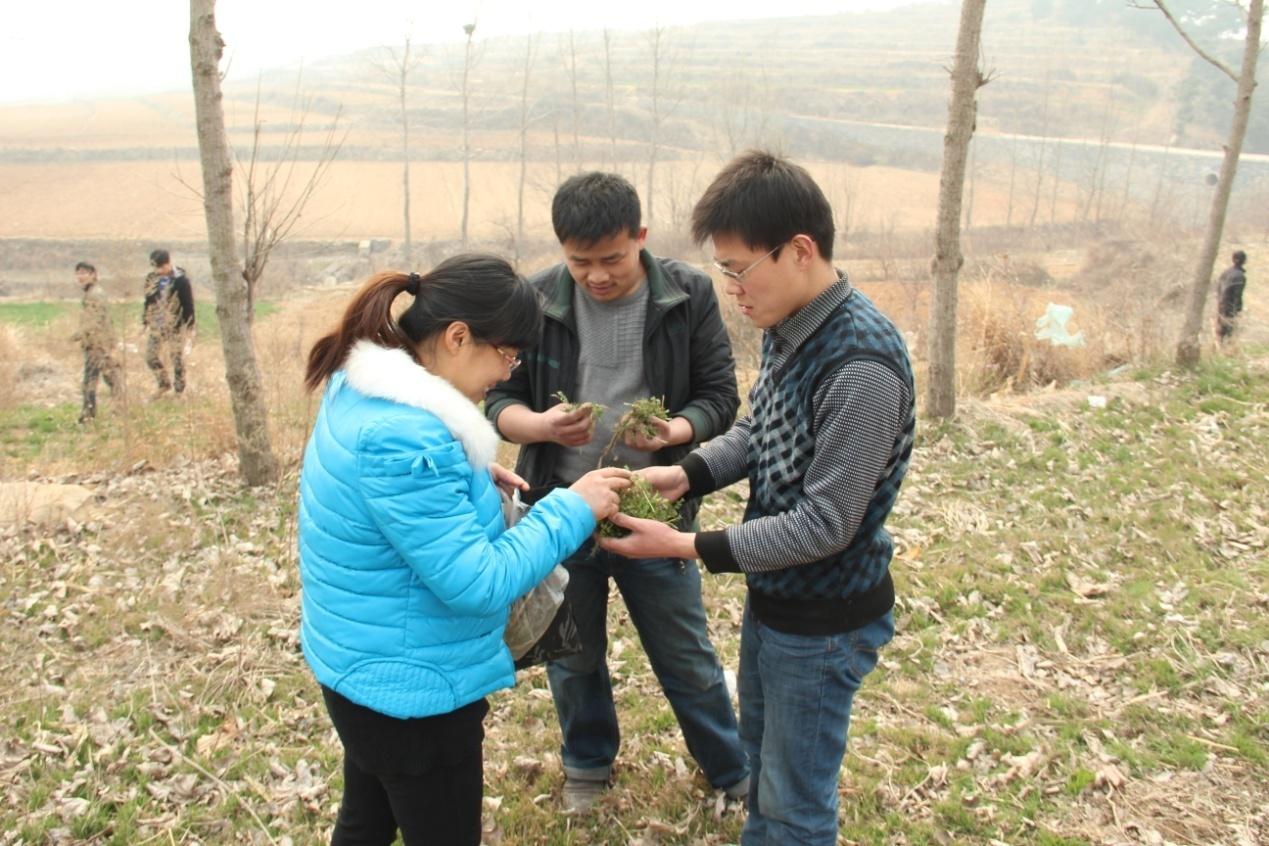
{"points": [[715, 399], [859, 413], [719, 463]]}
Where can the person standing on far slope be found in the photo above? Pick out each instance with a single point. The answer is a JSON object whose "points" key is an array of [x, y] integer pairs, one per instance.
{"points": [[96, 336], [1229, 302], [168, 317]]}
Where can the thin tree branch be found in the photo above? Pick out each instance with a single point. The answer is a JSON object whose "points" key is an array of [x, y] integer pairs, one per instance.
{"points": [[1203, 54]]}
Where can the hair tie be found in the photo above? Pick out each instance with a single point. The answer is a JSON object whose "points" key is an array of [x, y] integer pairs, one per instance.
{"points": [[412, 286]]}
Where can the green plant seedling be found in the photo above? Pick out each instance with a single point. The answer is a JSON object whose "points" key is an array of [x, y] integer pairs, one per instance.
{"points": [[640, 500], [596, 410]]}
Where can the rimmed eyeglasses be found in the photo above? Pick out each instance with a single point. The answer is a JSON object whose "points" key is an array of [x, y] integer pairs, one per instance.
{"points": [[739, 275]]}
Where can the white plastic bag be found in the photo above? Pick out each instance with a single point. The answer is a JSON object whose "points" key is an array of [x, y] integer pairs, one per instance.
{"points": [[1051, 327], [531, 614]]}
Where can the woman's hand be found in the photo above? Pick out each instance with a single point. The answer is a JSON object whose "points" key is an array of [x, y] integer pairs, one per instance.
{"points": [[507, 480], [602, 490]]}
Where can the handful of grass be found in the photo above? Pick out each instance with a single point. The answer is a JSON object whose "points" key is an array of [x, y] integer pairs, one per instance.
{"points": [[596, 410], [639, 418], [640, 500]]}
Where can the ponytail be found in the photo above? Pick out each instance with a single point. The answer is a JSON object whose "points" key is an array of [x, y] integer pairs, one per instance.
{"points": [[482, 291], [368, 317]]}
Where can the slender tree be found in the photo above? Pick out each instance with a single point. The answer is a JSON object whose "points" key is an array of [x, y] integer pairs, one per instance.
{"points": [[1187, 348], [256, 461], [661, 104], [274, 193], [610, 101], [530, 46], [962, 109], [398, 67], [465, 90], [1044, 137], [570, 64]]}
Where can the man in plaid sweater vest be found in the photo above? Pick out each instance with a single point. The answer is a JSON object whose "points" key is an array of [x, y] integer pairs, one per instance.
{"points": [[825, 449]]}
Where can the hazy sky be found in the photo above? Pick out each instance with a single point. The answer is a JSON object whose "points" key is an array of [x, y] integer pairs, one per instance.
{"points": [[64, 49]]}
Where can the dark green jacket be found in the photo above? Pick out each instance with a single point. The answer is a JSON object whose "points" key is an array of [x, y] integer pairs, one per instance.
{"points": [[687, 360]]}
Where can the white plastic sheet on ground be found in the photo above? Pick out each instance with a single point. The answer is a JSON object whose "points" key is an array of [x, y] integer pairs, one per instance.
{"points": [[1051, 327]]}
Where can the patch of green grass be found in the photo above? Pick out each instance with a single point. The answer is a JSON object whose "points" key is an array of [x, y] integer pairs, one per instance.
{"points": [[1046, 838], [1177, 750], [126, 315], [1079, 781], [37, 314]]}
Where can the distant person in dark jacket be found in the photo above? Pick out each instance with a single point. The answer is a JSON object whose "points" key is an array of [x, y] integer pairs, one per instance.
{"points": [[1229, 302], [168, 317], [96, 336], [623, 325], [825, 448]]}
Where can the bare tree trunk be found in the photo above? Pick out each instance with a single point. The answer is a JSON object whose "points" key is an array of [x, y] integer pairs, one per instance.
{"points": [[1013, 174], [274, 194], [657, 40], [1103, 163], [1158, 183], [1057, 180], [962, 110], [1187, 348], [405, 153], [524, 142], [577, 107], [256, 462], [470, 30], [1132, 160], [610, 101], [559, 166], [973, 173], [1039, 167]]}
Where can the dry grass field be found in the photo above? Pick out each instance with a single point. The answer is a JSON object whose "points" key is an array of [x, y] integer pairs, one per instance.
{"points": [[150, 199], [1083, 652]]}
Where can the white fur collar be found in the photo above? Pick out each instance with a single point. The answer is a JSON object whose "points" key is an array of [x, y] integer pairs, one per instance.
{"points": [[392, 374]]}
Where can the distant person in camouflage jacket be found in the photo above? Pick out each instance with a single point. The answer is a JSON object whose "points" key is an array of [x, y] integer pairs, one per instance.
{"points": [[96, 336], [168, 316], [1229, 297]]}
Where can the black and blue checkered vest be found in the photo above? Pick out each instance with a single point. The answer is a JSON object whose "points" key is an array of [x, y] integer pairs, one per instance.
{"points": [[782, 444]]}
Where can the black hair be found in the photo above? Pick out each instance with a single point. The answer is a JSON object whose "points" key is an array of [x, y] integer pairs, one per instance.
{"points": [[1240, 258], [592, 206], [764, 200], [83, 265], [483, 291], [158, 258]]}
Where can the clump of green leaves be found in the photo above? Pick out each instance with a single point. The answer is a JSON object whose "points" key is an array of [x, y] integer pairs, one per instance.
{"points": [[637, 421], [639, 418], [596, 410], [640, 500]]}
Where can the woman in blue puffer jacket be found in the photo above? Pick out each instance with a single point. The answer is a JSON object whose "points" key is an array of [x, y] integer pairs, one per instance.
{"points": [[407, 566]]}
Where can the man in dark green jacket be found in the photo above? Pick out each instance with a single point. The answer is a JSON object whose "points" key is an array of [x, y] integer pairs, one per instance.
{"points": [[623, 325]]}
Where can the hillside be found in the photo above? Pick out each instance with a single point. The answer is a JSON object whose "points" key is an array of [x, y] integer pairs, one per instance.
{"points": [[1067, 68]]}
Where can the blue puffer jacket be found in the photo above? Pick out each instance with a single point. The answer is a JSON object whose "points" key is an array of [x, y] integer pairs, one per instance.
{"points": [[406, 565]]}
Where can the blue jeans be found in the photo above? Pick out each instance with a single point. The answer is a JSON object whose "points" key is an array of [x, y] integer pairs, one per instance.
{"points": [[663, 597], [795, 698]]}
